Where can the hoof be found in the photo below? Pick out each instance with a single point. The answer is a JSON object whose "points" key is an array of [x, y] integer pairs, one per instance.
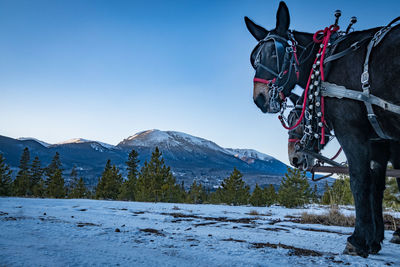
{"points": [[353, 251], [375, 248], [395, 239]]}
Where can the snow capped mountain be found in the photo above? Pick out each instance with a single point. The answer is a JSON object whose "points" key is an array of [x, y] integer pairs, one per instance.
{"points": [[81, 140], [34, 139], [249, 154], [171, 139]]}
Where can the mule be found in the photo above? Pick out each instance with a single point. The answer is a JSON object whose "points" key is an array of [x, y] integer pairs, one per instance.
{"points": [[366, 152], [385, 151]]}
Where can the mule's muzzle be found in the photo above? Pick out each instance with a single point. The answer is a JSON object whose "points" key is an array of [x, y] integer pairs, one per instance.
{"points": [[261, 102], [295, 162], [261, 96]]}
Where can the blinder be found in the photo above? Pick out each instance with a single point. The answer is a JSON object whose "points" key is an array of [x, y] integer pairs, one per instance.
{"points": [[255, 56], [285, 53]]}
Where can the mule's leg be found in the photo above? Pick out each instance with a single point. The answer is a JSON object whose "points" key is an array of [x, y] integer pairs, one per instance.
{"points": [[355, 145], [379, 159], [395, 160]]}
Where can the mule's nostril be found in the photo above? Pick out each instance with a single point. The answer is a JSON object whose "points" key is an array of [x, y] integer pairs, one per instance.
{"points": [[295, 161], [260, 101]]}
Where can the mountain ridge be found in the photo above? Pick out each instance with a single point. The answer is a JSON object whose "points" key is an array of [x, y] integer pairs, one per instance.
{"points": [[190, 157]]}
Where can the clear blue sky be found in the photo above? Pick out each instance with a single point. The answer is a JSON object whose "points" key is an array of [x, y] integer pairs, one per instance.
{"points": [[104, 70]]}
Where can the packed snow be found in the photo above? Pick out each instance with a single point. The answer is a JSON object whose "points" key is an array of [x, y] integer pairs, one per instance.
{"points": [[55, 232]]}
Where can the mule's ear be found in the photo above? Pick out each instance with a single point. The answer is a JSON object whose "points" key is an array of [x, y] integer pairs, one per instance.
{"points": [[257, 31], [282, 19]]}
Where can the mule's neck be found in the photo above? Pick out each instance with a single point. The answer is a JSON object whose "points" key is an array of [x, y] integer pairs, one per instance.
{"points": [[306, 57]]}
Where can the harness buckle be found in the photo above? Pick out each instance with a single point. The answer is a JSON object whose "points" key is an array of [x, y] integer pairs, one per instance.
{"points": [[355, 46], [364, 77]]}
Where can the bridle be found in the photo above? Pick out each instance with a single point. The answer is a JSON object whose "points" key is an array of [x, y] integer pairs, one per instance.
{"points": [[306, 144], [286, 51]]}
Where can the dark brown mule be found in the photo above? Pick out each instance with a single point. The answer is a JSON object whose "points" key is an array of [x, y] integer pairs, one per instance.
{"points": [[366, 153]]}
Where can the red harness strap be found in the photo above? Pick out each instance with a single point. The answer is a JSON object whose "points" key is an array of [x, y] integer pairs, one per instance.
{"points": [[327, 32]]}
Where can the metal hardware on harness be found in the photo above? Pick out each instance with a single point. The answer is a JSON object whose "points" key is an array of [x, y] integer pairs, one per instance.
{"points": [[366, 86], [345, 170], [321, 158]]}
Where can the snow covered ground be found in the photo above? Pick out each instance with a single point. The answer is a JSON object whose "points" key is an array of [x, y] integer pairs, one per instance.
{"points": [[54, 232]]}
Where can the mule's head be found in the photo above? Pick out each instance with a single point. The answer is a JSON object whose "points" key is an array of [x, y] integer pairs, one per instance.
{"points": [[269, 59], [297, 157]]}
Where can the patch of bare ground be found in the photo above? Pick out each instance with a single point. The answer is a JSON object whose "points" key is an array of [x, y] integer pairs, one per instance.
{"points": [[16, 218], [332, 258], [218, 219], [138, 212], [82, 224], [276, 229], [293, 251], [332, 217], [10, 218], [152, 231], [256, 213], [319, 230], [234, 240], [291, 217], [335, 217], [272, 222], [204, 224], [249, 226], [181, 220], [391, 223]]}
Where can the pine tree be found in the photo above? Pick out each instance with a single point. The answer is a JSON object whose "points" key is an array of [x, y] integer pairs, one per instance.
{"points": [[391, 197], [234, 190], [156, 182], [294, 190], [56, 186], [77, 188], [36, 178], [73, 181], [314, 195], [55, 182], [270, 195], [143, 192], [258, 197], [22, 182], [196, 194], [54, 166], [326, 197], [109, 186], [100, 188], [5, 178], [128, 187], [339, 193]]}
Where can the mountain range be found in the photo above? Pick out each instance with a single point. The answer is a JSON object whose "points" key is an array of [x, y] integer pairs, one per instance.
{"points": [[190, 158]]}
